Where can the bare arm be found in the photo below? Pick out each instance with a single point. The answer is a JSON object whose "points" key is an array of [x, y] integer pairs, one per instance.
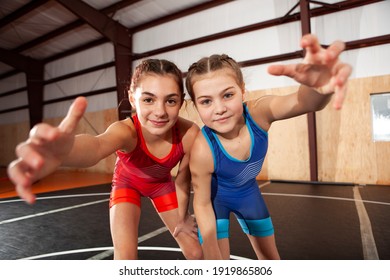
{"points": [[202, 166], [185, 222], [49, 147], [88, 150], [268, 109]]}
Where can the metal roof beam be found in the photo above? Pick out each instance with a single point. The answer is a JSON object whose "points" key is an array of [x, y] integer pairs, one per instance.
{"points": [[109, 28], [18, 61], [311, 117], [71, 26], [118, 34], [21, 12], [34, 80]]}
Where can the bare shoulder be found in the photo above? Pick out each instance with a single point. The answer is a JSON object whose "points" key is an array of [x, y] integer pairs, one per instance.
{"points": [[259, 109], [259, 104], [200, 145], [201, 154], [123, 133], [122, 127], [187, 126], [188, 132]]}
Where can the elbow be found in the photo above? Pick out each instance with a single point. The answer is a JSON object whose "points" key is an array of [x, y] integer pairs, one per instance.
{"points": [[324, 103]]}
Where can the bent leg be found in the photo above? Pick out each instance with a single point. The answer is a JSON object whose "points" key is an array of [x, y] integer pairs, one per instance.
{"points": [[189, 246], [124, 221]]}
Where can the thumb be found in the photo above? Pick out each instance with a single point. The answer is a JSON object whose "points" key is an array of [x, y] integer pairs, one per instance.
{"points": [[26, 195], [176, 232], [282, 70], [75, 113], [194, 235]]}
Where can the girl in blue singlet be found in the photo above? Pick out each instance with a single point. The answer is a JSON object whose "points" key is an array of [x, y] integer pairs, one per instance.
{"points": [[228, 153]]}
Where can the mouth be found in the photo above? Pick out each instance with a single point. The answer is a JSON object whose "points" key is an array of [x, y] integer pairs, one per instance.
{"points": [[159, 123], [221, 120]]}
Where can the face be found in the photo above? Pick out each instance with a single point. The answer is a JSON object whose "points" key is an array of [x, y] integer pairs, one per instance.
{"points": [[157, 101], [218, 99]]}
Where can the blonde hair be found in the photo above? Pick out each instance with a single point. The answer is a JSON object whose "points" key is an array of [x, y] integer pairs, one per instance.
{"points": [[209, 64]]}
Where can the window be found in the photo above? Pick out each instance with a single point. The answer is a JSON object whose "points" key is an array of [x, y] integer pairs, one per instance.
{"points": [[380, 112]]}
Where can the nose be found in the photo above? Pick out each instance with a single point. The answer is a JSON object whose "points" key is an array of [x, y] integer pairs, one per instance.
{"points": [[159, 110], [220, 108]]}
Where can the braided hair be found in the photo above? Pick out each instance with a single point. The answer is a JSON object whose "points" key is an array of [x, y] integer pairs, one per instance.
{"points": [[209, 64], [160, 67]]}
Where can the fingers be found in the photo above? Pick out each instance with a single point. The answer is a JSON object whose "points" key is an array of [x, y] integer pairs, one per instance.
{"points": [[30, 151], [341, 84], [43, 133], [340, 72], [75, 113], [315, 53], [194, 235], [30, 156], [282, 70], [22, 172], [295, 71], [19, 174], [334, 50], [339, 97], [37, 150], [310, 43], [176, 232], [188, 227], [26, 194]]}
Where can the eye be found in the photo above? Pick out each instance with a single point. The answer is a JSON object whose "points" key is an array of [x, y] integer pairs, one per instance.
{"points": [[228, 95], [172, 101], [147, 100], [205, 102]]}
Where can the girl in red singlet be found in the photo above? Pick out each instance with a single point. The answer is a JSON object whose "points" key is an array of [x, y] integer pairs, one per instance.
{"points": [[148, 146]]}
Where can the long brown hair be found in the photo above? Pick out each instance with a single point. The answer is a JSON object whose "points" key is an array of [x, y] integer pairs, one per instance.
{"points": [[160, 67]]}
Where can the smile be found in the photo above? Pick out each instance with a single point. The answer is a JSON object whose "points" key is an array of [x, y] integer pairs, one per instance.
{"points": [[222, 120], [159, 123]]}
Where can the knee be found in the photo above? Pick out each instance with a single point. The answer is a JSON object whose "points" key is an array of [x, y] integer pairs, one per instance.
{"points": [[193, 253]]}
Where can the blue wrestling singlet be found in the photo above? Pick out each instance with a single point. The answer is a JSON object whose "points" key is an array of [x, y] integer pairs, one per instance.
{"points": [[234, 187]]}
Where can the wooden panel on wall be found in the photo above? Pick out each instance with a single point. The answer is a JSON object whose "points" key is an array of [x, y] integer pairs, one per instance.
{"points": [[189, 112], [345, 147], [288, 154], [383, 163]]}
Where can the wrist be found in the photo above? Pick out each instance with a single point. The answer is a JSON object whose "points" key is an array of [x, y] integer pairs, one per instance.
{"points": [[324, 90]]}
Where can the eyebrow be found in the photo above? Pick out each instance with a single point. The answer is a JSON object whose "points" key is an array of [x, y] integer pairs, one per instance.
{"points": [[221, 92], [153, 95]]}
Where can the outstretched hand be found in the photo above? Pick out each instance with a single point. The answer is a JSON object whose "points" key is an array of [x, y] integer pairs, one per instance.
{"points": [[44, 150], [321, 69]]}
